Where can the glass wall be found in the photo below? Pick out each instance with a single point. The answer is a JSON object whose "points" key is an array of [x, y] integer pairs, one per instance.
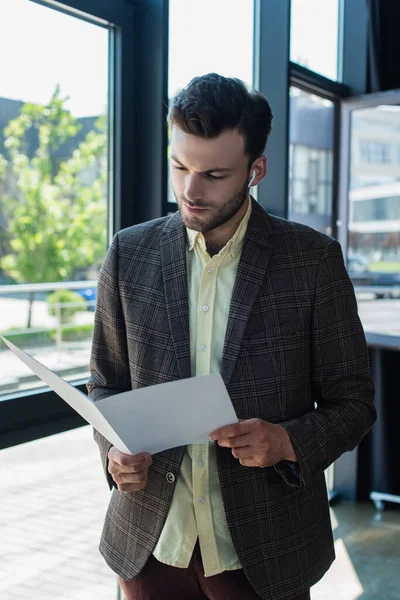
{"points": [[374, 216], [53, 186], [314, 35], [203, 39], [311, 135]]}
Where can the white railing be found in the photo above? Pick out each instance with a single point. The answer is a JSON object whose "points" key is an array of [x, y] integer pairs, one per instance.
{"points": [[28, 288], [46, 287]]}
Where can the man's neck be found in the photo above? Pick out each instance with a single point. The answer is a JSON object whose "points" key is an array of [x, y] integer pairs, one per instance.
{"points": [[213, 249], [218, 238]]}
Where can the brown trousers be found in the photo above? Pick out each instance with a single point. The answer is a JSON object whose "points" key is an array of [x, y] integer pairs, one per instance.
{"points": [[158, 581]]}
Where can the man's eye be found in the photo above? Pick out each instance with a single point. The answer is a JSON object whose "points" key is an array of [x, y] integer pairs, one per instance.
{"points": [[179, 168], [215, 176]]}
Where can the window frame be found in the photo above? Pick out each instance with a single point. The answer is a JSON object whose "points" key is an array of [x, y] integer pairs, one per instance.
{"points": [[313, 83], [348, 106], [274, 78], [137, 53]]}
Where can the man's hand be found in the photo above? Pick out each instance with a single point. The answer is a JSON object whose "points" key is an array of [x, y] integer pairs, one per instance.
{"points": [[256, 443], [129, 472]]}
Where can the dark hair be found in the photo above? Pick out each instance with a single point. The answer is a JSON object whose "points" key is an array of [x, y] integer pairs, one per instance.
{"points": [[211, 104]]}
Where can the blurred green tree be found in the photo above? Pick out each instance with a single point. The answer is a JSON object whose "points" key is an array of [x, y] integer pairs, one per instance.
{"points": [[56, 223], [70, 303]]}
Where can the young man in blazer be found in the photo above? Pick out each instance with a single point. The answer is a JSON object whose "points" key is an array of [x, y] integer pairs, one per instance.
{"points": [[224, 286]]}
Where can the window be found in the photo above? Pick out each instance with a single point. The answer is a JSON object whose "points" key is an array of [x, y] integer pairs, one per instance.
{"points": [[378, 153], [374, 215], [377, 209], [314, 35], [53, 186], [310, 160], [209, 36]]}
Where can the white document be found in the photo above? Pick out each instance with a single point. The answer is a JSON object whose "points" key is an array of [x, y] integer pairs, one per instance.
{"points": [[150, 419]]}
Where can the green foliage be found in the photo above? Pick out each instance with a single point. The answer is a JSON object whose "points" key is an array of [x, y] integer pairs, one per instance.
{"points": [[385, 266], [69, 303], [3, 167], [72, 332], [36, 338], [56, 223]]}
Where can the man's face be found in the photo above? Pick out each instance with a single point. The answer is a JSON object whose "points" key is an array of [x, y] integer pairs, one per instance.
{"points": [[209, 177]]}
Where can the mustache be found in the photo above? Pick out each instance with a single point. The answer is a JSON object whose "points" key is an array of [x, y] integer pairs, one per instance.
{"points": [[192, 205]]}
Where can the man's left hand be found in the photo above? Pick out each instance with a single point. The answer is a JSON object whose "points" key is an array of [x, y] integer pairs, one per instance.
{"points": [[256, 443]]}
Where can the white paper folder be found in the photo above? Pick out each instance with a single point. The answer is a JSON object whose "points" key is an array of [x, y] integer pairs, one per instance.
{"points": [[150, 419]]}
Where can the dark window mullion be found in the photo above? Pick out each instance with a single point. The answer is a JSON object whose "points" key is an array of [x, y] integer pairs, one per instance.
{"points": [[116, 12]]}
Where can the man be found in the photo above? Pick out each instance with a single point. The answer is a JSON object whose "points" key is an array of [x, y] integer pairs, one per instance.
{"points": [[223, 286]]}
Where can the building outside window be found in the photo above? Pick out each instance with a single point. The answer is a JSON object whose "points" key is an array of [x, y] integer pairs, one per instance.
{"points": [[373, 152], [310, 159], [374, 197], [373, 255]]}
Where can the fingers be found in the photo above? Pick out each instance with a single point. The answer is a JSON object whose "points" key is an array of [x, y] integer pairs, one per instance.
{"points": [[116, 469], [254, 461], [235, 429], [236, 442], [127, 460], [130, 473], [131, 482], [245, 452]]}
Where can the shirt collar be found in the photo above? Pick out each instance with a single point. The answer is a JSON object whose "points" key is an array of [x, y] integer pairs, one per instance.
{"points": [[234, 244]]}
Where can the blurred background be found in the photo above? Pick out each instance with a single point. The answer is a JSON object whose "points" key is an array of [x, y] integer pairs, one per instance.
{"points": [[84, 150]]}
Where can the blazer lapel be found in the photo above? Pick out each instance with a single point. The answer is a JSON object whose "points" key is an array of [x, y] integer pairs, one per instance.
{"points": [[174, 273], [252, 268]]}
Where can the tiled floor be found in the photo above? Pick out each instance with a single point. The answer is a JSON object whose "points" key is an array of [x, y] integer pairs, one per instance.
{"points": [[367, 565], [53, 498]]}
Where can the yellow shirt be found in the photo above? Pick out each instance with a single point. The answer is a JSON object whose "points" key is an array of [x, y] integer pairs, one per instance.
{"points": [[197, 510]]}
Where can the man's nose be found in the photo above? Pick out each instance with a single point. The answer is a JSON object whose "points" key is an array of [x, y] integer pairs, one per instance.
{"points": [[193, 188]]}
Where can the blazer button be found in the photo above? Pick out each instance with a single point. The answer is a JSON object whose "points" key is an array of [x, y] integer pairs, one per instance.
{"points": [[170, 477]]}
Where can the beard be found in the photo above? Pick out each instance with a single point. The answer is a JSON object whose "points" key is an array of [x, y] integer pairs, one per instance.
{"points": [[216, 215]]}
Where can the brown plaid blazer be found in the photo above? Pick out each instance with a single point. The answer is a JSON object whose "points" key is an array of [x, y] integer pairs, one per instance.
{"points": [[294, 354]]}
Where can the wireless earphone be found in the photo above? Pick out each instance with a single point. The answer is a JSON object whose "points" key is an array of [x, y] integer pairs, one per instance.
{"points": [[253, 176]]}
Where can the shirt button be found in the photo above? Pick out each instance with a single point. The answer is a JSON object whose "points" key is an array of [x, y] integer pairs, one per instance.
{"points": [[170, 477], [203, 347], [205, 308], [201, 500], [200, 464], [210, 270]]}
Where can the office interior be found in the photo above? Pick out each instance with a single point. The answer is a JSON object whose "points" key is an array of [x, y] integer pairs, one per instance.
{"points": [[84, 153]]}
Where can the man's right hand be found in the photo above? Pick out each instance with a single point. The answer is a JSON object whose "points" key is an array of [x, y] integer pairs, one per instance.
{"points": [[129, 472]]}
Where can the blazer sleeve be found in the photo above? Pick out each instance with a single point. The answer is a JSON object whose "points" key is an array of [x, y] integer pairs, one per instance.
{"points": [[343, 389], [109, 362]]}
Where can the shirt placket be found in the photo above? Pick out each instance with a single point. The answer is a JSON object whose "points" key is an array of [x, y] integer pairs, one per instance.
{"points": [[200, 457]]}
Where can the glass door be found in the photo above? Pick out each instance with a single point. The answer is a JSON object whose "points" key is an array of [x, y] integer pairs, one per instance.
{"points": [[369, 211], [369, 232]]}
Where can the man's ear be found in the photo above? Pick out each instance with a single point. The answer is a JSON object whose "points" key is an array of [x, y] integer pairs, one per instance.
{"points": [[259, 167]]}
